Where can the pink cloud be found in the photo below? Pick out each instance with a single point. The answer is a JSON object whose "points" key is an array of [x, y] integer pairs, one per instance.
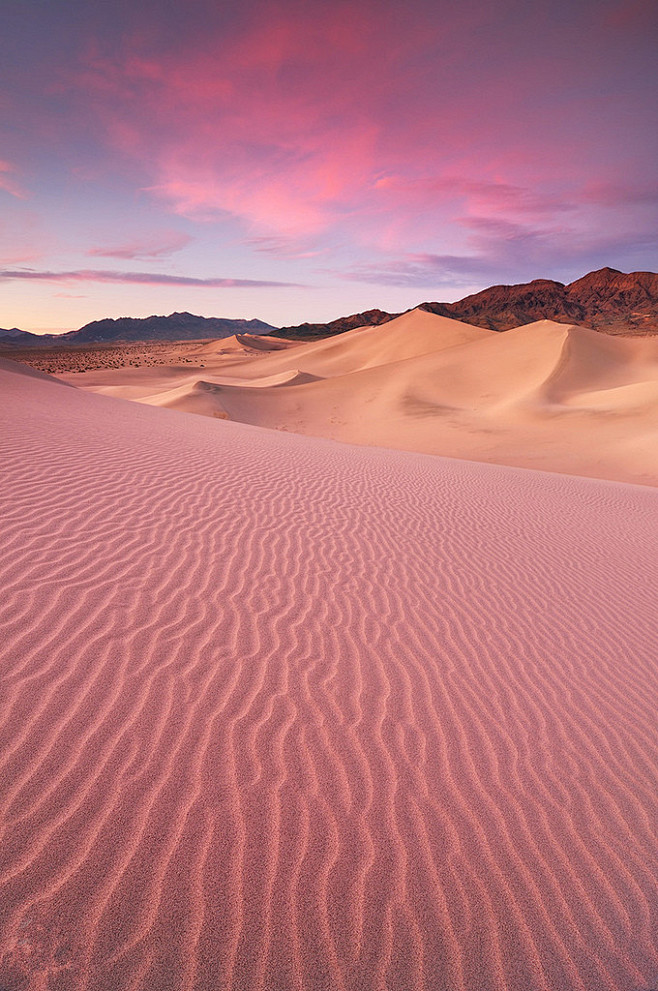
{"points": [[272, 125], [8, 183], [295, 161], [619, 194], [155, 246], [476, 197], [284, 247], [311, 123], [14, 255], [631, 14]]}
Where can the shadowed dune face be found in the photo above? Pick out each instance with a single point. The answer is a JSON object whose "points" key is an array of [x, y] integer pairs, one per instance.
{"points": [[592, 365], [547, 395], [263, 343], [284, 714], [16, 368]]}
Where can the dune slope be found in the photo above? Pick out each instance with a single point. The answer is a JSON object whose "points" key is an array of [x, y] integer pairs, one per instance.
{"points": [[285, 714], [547, 395]]}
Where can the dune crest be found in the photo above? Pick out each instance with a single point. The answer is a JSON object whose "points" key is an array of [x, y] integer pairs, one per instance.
{"points": [[285, 714], [547, 395]]}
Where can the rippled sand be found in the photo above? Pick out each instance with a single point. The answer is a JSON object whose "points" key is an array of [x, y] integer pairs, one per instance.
{"points": [[281, 714]]}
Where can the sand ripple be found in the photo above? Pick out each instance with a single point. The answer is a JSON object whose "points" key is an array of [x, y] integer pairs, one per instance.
{"points": [[288, 715]]}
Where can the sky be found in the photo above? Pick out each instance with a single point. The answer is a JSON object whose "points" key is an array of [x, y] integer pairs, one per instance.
{"points": [[302, 160]]}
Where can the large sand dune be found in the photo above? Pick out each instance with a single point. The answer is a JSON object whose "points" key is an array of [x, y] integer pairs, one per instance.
{"points": [[548, 395], [280, 714]]}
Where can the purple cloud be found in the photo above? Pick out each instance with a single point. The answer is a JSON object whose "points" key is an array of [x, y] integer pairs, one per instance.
{"points": [[8, 183], [284, 247], [620, 195], [156, 246], [418, 270], [140, 278], [506, 252]]}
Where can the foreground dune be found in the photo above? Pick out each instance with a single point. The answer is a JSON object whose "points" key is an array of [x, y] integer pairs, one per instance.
{"points": [[548, 395], [286, 715]]}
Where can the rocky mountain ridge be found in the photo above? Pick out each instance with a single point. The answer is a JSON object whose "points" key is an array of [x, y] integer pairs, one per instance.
{"points": [[607, 300], [175, 327], [308, 331], [20, 338]]}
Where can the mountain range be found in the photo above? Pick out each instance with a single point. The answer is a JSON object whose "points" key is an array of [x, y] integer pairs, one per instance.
{"points": [[175, 327], [607, 300]]}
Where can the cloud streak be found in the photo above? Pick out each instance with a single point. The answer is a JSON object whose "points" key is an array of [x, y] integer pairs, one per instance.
{"points": [[423, 270], [139, 278], [156, 246], [8, 183], [501, 252]]}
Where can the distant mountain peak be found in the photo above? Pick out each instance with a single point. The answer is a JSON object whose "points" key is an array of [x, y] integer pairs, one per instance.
{"points": [[600, 273], [607, 300], [175, 327], [368, 318], [18, 338]]}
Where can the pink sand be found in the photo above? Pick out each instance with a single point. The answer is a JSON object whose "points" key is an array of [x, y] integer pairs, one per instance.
{"points": [[282, 714]]}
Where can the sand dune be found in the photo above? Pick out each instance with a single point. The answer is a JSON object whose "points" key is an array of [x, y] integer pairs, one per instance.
{"points": [[413, 334], [199, 396], [548, 395], [544, 396], [264, 343], [239, 343], [291, 376], [286, 715]]}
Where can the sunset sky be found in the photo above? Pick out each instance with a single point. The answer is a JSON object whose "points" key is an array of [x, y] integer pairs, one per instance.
{"points": [[300, 160]]}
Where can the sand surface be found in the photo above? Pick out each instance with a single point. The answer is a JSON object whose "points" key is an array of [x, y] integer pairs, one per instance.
{"points": [[549, 396], [281, 714]]}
